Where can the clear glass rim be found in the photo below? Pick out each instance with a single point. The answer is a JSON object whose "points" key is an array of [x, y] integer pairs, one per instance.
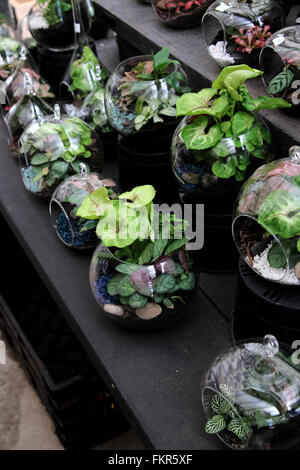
{"points": [[142, 58], [275, 238]]}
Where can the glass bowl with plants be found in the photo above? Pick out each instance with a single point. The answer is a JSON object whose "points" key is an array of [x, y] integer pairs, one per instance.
{"points": [[10, 50], [6, 30], [141, 93], [222, 138], [29, 108], [12, 87], [266, 222], [180, 13], [141, 274], [280, 61], [53, 147], [51, 22], [72, 230], [251, 395], [235, 31], [86, 88]]}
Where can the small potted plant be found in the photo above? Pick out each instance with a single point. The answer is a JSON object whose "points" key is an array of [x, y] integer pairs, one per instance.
{"points": [[53, 148], [141, 274], [180, 13], [235, 32], [251, 396], [141, 93], [280, 61], [266, 226], [51, 22], [222, 136]]}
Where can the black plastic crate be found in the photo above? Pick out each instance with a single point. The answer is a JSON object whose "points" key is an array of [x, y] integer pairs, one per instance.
{"points": [[70, 388]]}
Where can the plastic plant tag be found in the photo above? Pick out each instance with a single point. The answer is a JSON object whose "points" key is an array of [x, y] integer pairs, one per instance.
{"points": [[278, 40], [223, 7]]}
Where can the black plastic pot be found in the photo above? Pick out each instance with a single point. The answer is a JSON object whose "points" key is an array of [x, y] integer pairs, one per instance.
{"points": [[53, 64], [145, 159], [264, 307], [219, 254]]}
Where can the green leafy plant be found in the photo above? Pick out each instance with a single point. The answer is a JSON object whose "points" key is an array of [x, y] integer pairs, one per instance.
{"points": [[135, 85], [223, 128], [281, 83], [83, 74], [127, 225], [56, 148], [54, 10], [225, 417]]}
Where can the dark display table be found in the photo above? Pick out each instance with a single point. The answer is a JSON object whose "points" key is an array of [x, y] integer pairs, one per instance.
{"points": [[155, 377]]}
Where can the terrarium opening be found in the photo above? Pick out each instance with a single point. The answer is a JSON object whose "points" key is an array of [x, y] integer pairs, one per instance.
{"points": [[215, 39], [272, 64], [263, 251], [63, 225]]}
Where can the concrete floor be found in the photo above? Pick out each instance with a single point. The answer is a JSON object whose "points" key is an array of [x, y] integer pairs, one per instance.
{"points": [[24, 422]]}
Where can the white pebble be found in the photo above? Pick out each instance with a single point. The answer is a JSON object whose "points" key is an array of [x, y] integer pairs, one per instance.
{"points": [[38, 22], [218, 52], [281, 275], [114, 309]]}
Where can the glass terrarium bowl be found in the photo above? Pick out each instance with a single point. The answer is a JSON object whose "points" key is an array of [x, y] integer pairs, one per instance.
{"points": [[280, 61], [235, 32], [9, 54], [121, 105], [6, 31], [53, 148], [193, 169], [67, 198], [51, 22], [251, 396], [13, 89], [266, 221], [180, 14], [29, 108], [138, 310]]}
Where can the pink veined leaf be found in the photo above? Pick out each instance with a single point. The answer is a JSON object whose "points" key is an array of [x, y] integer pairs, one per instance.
{"points": [[286, 168], [183, 260], [188, 5], [142, 281], [165, 265]]}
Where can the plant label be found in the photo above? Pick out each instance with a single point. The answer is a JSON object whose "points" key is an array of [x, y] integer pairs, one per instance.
{"points": [[223, 7]]}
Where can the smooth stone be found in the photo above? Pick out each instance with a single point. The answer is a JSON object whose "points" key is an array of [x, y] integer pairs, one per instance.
{"points": [[114, 309], [297, 270], [190, 178], [148, 312]]}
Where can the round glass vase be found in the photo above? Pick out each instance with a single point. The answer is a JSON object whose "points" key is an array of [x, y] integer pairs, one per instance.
{"points": [[266, 223], [280, 61], [180, 14], [193, 169], [29, 108], [51, 22], [235, 32], [121, 99], [67, 198], [10, 50], [52, 149], [138, 310], [251, 396]]}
